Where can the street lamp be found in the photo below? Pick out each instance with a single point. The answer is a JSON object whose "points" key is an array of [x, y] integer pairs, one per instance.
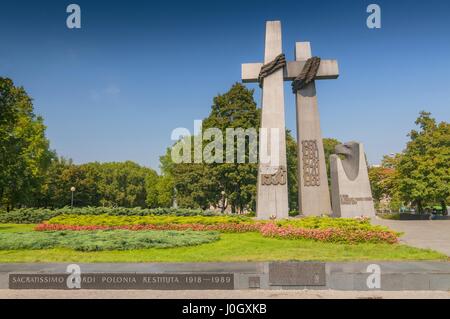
{"points": [[72, 189], [223, 201]]}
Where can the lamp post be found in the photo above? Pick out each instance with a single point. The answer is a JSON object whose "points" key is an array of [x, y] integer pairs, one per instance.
{"points": [[223, 201], [72, 189]]}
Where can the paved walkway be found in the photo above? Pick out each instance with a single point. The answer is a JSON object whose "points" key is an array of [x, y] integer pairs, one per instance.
{"points": [[220, 294], [434, 234]]}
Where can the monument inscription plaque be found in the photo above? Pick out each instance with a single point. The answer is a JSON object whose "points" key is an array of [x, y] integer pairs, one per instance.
{"points": [[278, 177], [310, 153], [297, 274], [139, 281]]}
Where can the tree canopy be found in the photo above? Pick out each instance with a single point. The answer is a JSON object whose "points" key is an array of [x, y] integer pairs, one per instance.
{"points": [[124, 184], [24, 148], [424, 166]]}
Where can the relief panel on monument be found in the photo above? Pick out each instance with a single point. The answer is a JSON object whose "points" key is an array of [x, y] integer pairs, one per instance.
{"points": [[274, 176], [347, 200], [310, 158]]}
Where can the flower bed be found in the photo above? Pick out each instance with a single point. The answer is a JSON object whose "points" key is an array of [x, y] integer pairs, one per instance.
{"points": [[314, 228], [330, 222], [222, 227], [329, 234]]}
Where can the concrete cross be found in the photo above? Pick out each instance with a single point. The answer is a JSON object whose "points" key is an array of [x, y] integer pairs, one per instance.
{"points": [[313, 191], [272, 197], [314, 198]]}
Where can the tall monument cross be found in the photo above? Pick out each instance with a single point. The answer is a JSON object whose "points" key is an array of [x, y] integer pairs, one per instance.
{"points": [[272, 192]]}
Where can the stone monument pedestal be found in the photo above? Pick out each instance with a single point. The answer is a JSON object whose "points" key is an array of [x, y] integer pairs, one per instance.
{"points": [[351, 195]]}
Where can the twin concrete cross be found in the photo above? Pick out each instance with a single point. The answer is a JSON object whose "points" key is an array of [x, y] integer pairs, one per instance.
{"points": [[272, 193]]}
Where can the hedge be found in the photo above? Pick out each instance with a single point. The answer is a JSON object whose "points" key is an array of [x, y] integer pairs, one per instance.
{"points": [[108, 220], [38, 215]]}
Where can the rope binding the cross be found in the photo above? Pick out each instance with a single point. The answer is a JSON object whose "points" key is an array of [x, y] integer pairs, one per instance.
{"points": [[267, 69], [306, 76]]}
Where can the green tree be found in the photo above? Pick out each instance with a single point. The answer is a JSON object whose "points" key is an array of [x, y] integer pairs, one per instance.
{"points": [[384, 182], [165, 191], [292, 168], [200, 185], [234, 109], [55, 188], [203, 185], [162, 193], [123, 183], [329, 145], [24, 149], [61, 176], [160, 190], [424, 166], [193, 184]]}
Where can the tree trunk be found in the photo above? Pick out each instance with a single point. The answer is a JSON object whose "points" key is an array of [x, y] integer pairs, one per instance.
{"points": [[419, 207], [444, 208]]}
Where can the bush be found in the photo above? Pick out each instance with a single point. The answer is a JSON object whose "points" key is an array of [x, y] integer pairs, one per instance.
{"points": [[336, 235], [393, 216], [108, 220], [330, 222], [294, 213], [104, 240], [27, 216], [38, 215]]}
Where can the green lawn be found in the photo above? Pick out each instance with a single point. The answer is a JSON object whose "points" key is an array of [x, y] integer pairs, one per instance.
{"points": [[14, 228], [231, 247]]}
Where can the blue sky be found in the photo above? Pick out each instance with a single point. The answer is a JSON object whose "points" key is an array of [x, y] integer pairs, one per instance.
{"points": [[115, 89]]}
